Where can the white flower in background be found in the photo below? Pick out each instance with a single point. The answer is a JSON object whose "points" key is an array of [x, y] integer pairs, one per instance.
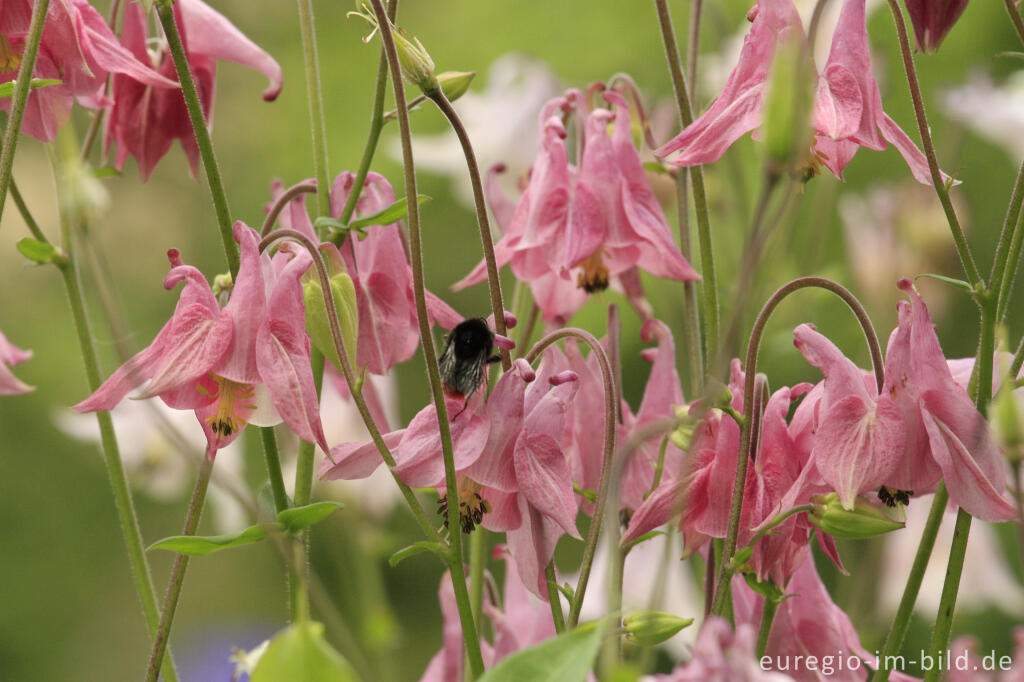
{"points": [[651, 570], [986, 581], [161, 449], [995, 112], [246, 661], [501, 122], [893, 231]]}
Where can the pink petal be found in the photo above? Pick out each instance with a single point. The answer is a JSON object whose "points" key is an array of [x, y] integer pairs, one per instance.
{"points": [[357, 460], [247, 307], [532, 547], [544, 479], [911, 154]]}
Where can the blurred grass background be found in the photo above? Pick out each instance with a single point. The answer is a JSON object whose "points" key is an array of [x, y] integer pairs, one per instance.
{"points": [[69, 610]]}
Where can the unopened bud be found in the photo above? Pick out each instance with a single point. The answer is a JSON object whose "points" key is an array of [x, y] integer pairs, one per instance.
{"points": [[932, 20], [344, 292], [455, 84], [682, 436], [787, 107], [417, 66], [647, 628], [863, 521]]}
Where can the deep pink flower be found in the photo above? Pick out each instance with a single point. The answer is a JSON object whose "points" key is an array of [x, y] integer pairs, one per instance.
{"points": [[217, 361], [847, 111], [145, 121], [12, 355], [932, 20], [77, 48], [579, 228]]}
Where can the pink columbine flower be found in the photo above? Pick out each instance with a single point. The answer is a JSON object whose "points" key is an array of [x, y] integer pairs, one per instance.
{"points": [[145, 121], [847, 111], [220, 361], [584, 225], [12, 355], [77, 48], [933, 19]]}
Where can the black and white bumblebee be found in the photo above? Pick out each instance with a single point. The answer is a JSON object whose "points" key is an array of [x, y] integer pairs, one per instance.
{"points": [[468, 350]]}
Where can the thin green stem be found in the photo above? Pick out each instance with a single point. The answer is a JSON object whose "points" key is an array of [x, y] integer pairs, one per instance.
{"points": [[298, 189], [767, 617], [1010, 271], [315, 99], [195, 510], [458, 576], [165, 11], [707, 258], [493, 281], [1018, 359], [477, 564], [720, 602], [691, 312], [1007, 235], [947, 603], [22, 87], [97, 120], [959, 239], [901, 622], [26, 214], [693, 47], [554, 600], [270, 453], [604, 486], [1015, 18]]}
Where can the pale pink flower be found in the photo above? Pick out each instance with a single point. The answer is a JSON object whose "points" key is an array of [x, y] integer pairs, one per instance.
{"points": [[12, 355], [215, 360], [77, 48], [144, 121], [847, 110], [723, 656]]}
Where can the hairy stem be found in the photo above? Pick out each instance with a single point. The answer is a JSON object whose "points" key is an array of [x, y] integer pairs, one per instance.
{"points": [[554, 600]]}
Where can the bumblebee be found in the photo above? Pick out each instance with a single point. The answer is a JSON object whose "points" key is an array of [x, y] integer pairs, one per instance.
{"points": [[468, 350]]}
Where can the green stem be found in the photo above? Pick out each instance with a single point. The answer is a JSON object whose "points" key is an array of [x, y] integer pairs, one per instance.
{"points": [[1018, 359], [553, 598], [604, 486], [376, 126], [692, 329], [720, 602], [959, 239], [26, 215], [165, 11], [270, 453], [458, 576], [947, 603], [1010, 271], [1007, 235], [767, 617], [477, 564], [195, 510], [22, 87], [1015, 18], [304, 465], [487, 241], [314, 96], [901, 622], [707, 258], [111, 452], [97, 119], [693, 47]]}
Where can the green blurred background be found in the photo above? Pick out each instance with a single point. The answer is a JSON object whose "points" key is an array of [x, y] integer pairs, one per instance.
{"points": [[69, 610]]}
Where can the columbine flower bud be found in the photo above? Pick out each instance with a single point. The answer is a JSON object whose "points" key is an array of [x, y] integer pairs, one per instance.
{"points": [[683, 434], [344, 292], [455, 84], [82, 196], [863, 521], [648, 628], [787, 108], [932, 20], [417, 66]]}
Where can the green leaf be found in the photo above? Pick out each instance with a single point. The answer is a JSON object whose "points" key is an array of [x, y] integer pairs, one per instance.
{"points": [[106, 172], [7, 89], [958, 283], [201, 545], [657, 167], [386, 216], [324, 221], [297, 518], [765, 588], [37, 251], [300, 654], [418, 548], [566, 658]]}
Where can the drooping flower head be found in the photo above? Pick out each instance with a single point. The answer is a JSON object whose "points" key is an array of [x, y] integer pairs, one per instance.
{"points": [[847, 111], [221, 362], [577, 228], [145, 121], [78, 49]]}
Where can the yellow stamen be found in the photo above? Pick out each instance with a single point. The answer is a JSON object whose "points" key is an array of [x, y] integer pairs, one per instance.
{"points": [[230, 394], [10, 59], [595, 275]]}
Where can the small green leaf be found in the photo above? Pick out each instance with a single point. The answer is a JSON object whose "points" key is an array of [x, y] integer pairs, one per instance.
{"points": [[297, 518], [386, 216], [37, 251], [566, 658], [106, 172], [201, 545], [418, 548], [953, 282], [324, 221], [1013, 55], [765, 588], [657, 167], [7, 89], [300, 654], [586, 493]]}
